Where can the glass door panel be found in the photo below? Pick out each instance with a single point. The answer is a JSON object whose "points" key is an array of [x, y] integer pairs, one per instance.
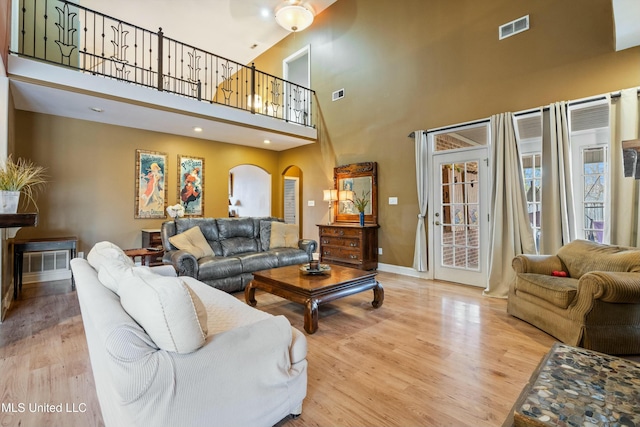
{"points": [[458, 230]]}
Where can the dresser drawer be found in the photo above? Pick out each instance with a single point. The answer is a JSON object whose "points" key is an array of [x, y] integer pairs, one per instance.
{"points": [[340, 241], [340, 232], [342, 253]]}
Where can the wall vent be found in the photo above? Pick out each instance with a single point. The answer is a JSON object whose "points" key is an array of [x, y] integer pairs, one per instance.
{"points": [[514, 27], [337, 95], [45, 266]]}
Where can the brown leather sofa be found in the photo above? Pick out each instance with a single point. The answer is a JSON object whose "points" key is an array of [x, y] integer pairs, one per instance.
{"points": [[597, 306]]}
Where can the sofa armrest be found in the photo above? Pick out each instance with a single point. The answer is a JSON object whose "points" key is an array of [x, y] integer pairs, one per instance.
{"points": [[539, 264], [184, 263], [298, 349], [609, 286], [309, 246]]}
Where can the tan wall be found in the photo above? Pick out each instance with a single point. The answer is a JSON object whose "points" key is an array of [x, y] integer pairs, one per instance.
{"points": [[92, 170], [420, 64]]}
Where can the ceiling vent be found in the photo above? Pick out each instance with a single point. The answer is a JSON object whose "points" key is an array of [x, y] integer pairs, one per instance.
{"points": [[514, 27], [337, 95]]}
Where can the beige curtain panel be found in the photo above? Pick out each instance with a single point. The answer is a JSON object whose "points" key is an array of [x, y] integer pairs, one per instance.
{"points": [[624, 191], [558, 218], [422, 181], [510, 230]]}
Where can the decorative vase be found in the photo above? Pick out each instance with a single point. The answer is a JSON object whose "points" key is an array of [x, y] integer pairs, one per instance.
{"points": [[9, 201], [361, 219]]}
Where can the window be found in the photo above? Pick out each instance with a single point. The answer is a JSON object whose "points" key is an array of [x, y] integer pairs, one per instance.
{"points": [[589, 133], [532, 171], [593, 180], [528, 129]]}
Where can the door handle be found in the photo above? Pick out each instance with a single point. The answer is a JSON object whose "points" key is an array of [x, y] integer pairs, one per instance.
{"points": [[437, 223]]}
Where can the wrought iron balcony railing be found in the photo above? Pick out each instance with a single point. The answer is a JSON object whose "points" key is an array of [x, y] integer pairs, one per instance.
{"points": [[68, 34]]}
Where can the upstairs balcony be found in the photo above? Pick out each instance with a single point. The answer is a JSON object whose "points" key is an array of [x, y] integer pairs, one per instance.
{"points": [[73, 61]]}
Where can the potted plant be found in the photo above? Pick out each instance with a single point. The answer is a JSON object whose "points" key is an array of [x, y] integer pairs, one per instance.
{"points": [[19, 177], [361, 204]]}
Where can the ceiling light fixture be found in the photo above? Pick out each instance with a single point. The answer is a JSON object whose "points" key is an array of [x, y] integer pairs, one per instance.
{"points": [[96, 109], [294, 17], [197, 129], [266, 141]]}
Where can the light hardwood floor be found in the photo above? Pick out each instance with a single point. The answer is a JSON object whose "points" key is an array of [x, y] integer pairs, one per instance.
{"points": [[434, 354]]}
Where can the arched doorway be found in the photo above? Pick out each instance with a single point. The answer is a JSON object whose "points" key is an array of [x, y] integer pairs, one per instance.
{"points": [[249, 191]]}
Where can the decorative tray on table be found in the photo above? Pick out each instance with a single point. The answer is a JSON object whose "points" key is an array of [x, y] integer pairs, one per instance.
{"points": [[322, 269]]}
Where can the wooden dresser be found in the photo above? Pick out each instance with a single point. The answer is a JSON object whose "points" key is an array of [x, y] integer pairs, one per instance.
{"points": [[350, 245]]}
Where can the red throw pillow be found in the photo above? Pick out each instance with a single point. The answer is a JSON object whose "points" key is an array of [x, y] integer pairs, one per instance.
{"points": [[559, 273]]}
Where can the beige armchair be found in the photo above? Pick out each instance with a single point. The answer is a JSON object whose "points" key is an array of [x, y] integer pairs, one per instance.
{"points": [[597, 306]]}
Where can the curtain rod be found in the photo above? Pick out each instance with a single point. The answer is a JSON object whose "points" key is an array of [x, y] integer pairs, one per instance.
{"points": [[572, 103], [520, 113]]}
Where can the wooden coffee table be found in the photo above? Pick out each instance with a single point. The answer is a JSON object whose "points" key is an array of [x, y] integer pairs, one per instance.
{"points": [[312, 290]]}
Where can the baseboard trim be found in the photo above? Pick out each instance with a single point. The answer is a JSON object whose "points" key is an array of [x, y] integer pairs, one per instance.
{"points": [[405, 271], [46, 276]]}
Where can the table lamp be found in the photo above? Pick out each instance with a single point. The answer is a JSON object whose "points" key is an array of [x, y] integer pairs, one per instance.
{"points": [[330, 196]]}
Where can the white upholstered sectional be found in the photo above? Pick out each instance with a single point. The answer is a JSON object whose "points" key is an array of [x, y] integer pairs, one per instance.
{"points": [[231, 365]]}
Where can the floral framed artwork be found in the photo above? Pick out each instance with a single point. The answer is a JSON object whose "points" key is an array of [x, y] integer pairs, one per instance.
{"points": [[151, 189], [191, 184]]}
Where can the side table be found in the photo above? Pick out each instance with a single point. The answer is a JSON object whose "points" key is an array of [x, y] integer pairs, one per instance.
{"points": [[39, 245], [144, 254]]}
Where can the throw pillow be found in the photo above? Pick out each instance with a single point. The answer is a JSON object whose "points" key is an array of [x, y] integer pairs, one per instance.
{"points": [[283, 235], [113, 271], [192, 241], [103, 251], [169, 311]]}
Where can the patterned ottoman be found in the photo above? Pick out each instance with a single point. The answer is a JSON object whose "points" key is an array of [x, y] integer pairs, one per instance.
{"points": [[576, 387]]}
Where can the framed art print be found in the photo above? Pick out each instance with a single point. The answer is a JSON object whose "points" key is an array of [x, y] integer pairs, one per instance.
{"points": [[151, 190], [191, 184]]}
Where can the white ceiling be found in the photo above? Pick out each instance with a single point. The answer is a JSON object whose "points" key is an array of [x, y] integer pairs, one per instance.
{"points": [[227, 28]]}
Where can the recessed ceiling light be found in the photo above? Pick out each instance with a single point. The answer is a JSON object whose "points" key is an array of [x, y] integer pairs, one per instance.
{"points": [[197, 129], [266, 141], [96, 109], [266, 13]]}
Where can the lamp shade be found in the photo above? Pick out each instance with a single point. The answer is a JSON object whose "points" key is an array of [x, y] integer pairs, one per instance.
{"points": [[294, 17], [345, 195], [330, 195]]}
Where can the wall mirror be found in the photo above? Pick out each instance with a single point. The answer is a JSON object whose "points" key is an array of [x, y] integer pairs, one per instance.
{"points": [[356, 181]]}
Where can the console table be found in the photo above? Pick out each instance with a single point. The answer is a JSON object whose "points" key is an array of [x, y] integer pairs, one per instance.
{"points": [[351, 245], [39, 245]]}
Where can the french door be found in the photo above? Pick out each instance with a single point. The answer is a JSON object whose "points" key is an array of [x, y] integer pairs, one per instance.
{"points": [[459, 219]]}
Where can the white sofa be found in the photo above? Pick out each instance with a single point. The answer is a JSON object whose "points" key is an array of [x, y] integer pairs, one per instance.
{"points": [[244, 367]]}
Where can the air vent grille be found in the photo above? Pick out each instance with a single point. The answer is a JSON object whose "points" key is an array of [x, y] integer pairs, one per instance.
{"points": [[514, 27], [530, 127], [592, 117], [337, 95]]}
